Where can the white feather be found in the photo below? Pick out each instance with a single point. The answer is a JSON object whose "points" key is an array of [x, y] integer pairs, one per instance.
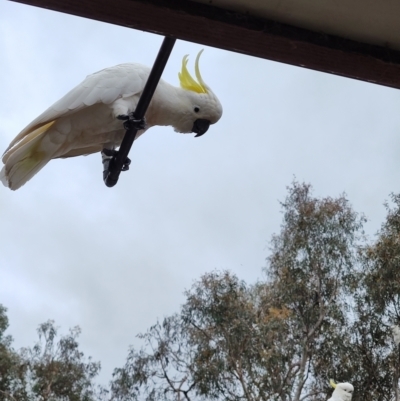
{"points": [[105, 86], [396, 334], [3, 177], [342, 392], [85, 120]]}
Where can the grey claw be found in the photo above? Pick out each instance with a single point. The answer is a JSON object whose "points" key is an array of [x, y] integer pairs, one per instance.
{"points": [[127, 162], [107, 155]]}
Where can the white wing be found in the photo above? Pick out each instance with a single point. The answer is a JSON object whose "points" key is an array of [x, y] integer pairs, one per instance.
{"points": [[105, 86]]}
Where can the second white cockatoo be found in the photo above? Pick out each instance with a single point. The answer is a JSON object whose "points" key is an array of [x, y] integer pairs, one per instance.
{"points": [[88, 118], [341, 392], [396, 334]]}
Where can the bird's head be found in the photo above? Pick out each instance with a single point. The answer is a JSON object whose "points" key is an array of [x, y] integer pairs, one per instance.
{"points": [[200, 107], [343, 391]]}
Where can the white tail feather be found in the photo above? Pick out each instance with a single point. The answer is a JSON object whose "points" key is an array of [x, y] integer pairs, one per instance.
{"points": [[3, 177]]}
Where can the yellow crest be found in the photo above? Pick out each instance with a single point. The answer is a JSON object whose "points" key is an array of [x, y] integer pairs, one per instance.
{"points": [[187, 81], [332, 383]]}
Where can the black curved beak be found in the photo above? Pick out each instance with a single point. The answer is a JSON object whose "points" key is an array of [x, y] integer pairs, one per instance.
{"points": [[200, 127]]}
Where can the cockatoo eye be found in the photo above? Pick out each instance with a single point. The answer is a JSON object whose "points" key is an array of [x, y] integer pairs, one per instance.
{"points": [[196, 109]]}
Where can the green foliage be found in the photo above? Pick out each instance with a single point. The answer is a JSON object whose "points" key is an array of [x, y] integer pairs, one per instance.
{"points": [[280, 339], [226, 333], [53, 370], [164, 372], [58, 370], [382, 281], [312, 265], [376, 368], [324, 309], [12, 367]]}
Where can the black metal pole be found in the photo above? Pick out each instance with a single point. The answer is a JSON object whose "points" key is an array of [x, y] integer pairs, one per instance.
{"points": [[118, 160]]}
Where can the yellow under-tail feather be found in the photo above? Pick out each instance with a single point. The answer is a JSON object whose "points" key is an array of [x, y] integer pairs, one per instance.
{"points": [[26, 158], [28, 138]]}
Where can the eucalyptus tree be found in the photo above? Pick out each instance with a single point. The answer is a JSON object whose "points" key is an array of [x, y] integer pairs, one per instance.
{"points": [[280, 339]]}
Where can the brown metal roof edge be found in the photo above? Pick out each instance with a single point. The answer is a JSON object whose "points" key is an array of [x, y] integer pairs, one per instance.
{"points": [[212, 26]]}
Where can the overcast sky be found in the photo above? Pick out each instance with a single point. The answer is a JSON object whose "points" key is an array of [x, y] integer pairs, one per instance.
{"points": [[114, 260]]}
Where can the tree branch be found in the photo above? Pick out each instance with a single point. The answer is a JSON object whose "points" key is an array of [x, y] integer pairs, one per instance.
{"points": [[8, 395]]}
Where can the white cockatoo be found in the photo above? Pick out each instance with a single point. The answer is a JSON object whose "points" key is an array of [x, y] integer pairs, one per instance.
{"points": [[86, 119], [341, 392], [396, 334]]}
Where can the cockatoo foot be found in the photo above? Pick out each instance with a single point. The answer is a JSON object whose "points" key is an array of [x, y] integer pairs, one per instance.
{"points": [[127, 162], [107, 155], [131, 122]]}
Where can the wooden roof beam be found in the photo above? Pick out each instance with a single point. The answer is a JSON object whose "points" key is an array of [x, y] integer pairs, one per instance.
{"points": [[212, 26]]}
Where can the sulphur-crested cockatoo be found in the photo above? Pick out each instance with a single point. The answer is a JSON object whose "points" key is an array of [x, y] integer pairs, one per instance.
{"points": [[341, 392], [396, 334], [86, 119]]}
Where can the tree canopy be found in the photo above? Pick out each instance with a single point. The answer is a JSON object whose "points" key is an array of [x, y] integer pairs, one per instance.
{"points": [[324, 309], [52, 370]]}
